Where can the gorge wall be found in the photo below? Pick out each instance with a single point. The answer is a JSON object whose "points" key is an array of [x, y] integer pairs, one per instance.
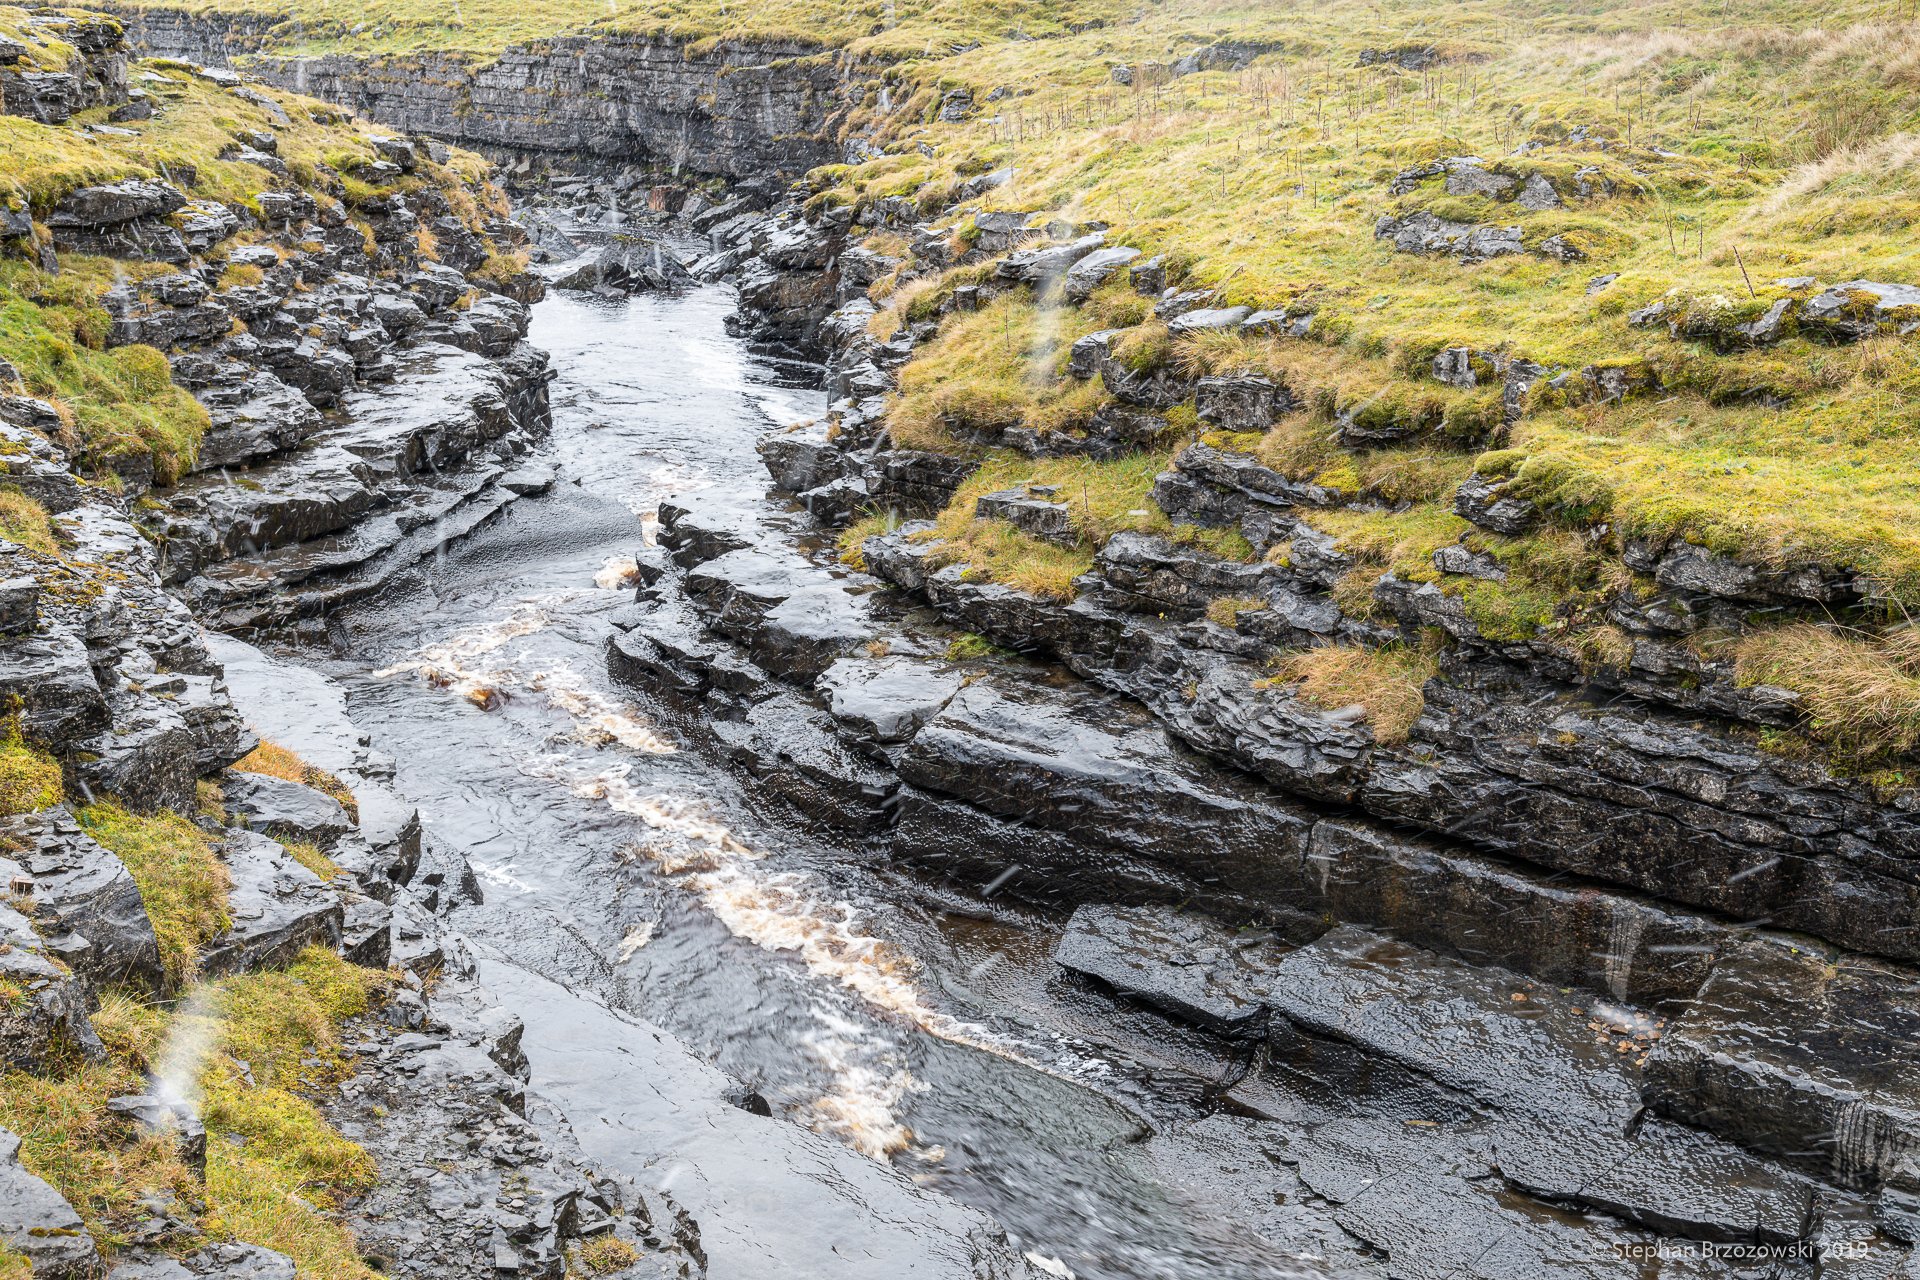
{"points": [[737, 109]]}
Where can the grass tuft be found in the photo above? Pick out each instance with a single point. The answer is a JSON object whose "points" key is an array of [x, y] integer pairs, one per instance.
{"points": [[1860, 695], [29, 777], [1386, 685], [277, 761], [181, 879]]}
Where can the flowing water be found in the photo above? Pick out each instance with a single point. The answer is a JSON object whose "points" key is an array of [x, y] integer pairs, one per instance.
{"points": [[617, 862]]}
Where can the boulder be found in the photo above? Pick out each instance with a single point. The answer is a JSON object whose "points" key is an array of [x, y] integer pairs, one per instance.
{"points": [[82, 889], [1538, 194], [1033, 511], [1427, 234], [37, 1222], [1149, 821], [114, 203], [1094, 270], [44, 1014], [1242, 402], [367, 933], [277, 906], [1856, 309], [1481, 500], [1468, 179], [283, 808], [1042, 266], [1208, 319]]}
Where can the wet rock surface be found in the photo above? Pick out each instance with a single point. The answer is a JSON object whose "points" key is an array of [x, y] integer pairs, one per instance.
{"points": [[37, 1223], [1187, 965], [1792, 1052], [1045, 789], [84, 902], [278, 908]]}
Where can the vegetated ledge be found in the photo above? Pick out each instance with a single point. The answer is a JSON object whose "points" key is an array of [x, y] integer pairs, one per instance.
{"points": [[293, 341], [941, 753]]}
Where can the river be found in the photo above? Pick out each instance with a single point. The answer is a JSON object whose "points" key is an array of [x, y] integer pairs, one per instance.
{"points": [[633, 889]]}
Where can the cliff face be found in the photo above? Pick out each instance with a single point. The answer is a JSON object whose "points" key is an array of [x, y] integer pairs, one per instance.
{"points": [[738, 109]]}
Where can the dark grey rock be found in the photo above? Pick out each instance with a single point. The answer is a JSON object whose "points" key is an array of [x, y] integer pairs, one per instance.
{"points": [[82, 889], [283, 808], [1494, 913], [1244, 402], [1035, 514], [1208, 320], [1465, 178], [277, 906], [235, 1261], [36, 1222], [1425, 233], [19, 604], [1095, 270], [1100, 771], [1184, 964], [1564, 1094], [113, 203], [366, 936], [1791, 1052], [1856, 309], [1481, 500], [887, 699]]}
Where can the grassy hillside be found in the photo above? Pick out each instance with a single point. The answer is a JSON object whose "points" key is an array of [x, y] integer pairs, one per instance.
{"points": [[1707, 162], [1742, 147]]}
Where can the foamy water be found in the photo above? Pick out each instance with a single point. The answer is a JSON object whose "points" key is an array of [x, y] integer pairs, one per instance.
{"points": [[470, 665], [617, 574], [782, 911]]}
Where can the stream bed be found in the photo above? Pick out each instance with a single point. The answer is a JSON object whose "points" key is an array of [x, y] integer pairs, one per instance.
{"points": [[651, 922]]}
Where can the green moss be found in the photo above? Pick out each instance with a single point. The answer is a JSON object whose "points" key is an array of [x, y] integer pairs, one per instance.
{"points": [[854, 536], [29, 777], [284, 1027], [313, 858], [276, 1170], [605, 1254], [970, 648], [121, 401], [991, 369], [181, 878]]}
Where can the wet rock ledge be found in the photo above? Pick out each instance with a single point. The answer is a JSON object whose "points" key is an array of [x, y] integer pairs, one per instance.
{"points": [[1492, 1033]]}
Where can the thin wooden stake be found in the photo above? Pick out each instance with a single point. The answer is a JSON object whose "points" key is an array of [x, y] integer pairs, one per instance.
{"points": [[1743, 272]]}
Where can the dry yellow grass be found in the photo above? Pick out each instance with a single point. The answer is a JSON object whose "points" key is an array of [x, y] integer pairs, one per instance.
{"points": [[1387, 685], [1860, 695], [276, 761]]}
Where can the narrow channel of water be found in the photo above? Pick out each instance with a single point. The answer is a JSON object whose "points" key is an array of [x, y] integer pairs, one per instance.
{"points": [[619, 863]]}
